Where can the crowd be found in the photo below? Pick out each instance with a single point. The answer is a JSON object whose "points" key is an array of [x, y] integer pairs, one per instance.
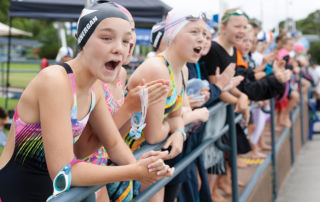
{"points": [[78, 117]]}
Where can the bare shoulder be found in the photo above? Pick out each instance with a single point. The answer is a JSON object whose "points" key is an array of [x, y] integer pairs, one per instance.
{"points": [[153, 68], [98, 90], [51, 79]]}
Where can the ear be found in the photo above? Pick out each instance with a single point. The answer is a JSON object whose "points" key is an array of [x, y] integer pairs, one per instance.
{"points": [[223, 27]]}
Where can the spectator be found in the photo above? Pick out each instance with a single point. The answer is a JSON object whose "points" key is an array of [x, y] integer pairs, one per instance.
{"points": [[64, 103], [3, 120], [64, 54]]}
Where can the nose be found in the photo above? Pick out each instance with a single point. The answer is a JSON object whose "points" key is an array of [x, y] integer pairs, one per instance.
{"points": [[117, 47]]}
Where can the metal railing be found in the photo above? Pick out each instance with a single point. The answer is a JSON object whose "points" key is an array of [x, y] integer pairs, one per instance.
{"points": [[87, 193]]}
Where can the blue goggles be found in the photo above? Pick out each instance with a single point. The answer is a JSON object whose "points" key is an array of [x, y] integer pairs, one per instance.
{"points": [[62, 181]]}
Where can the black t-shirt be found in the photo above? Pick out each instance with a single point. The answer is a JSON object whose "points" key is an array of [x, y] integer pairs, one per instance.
{"points": [[218, 57]]}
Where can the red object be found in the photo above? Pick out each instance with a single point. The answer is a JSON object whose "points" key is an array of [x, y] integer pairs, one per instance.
{"points": [[282, 104], [44, 64]]}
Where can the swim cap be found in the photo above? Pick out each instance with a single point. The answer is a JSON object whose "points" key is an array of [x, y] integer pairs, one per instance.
{"points": [[157, 33], [90, 18], [177, 19]]}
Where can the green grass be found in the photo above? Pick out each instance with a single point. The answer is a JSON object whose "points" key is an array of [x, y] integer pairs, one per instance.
{"points": [[22, 79], [22, 66], [12, 103], [1, 148]]}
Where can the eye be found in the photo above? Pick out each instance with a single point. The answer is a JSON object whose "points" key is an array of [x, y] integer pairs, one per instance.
{"points": [[194, 31], [107, 38], [126, 41]]}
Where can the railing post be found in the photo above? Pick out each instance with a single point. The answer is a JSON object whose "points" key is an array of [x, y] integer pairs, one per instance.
{"points": [[233, 152], [8, 64], [2, 79], [273, 151], [301, 109], [292, 139]]}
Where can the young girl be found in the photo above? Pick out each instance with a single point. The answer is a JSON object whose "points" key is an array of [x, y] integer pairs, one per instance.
{"points": [[121, 109], [183, 32], [55, 108]]}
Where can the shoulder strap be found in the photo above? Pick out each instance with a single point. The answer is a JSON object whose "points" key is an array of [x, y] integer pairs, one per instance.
{"points": [[66, 67], [183, 84]]}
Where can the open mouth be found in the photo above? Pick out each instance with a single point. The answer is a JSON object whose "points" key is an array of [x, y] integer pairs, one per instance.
{"points": [[111, 65], [239, 37], [197, 50]]}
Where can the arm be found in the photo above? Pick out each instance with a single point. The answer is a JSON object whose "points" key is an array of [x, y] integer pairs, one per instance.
{"points": [[152, 69], [58, 141]]}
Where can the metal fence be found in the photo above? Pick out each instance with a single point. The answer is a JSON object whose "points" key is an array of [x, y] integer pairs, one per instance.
{"points": [[87, 193]]}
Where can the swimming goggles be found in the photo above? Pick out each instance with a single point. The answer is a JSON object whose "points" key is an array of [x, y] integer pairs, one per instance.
{"points": [[200, 16], [62, 180], [237, 12], [138, 119]]}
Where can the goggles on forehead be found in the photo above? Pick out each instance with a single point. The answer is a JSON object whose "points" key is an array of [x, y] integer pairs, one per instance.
{"points": [[200, 16], [236, 13]]}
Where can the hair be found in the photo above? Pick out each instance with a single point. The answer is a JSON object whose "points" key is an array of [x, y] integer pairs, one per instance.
{"points": [[249, 28], [285, 40], [255, 24], [225, 22], [3, 113]]}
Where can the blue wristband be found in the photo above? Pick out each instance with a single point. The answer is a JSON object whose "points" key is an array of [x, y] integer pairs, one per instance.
{"points": [[183, 133]]}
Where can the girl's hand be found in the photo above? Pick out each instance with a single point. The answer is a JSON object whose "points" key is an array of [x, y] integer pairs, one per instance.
{"points": [[206, 92], [195, 103], [226, 81], [203, 114], [151, 167], [157, 90], [175, 141]]}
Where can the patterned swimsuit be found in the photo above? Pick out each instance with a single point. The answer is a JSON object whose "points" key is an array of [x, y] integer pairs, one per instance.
{"points": [[173, 103], [25, 177], [126, 191], [100, 157]]}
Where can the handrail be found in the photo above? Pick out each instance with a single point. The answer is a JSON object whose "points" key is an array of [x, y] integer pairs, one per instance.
{"points": [[267, 161], [87, 193], [81, 193]]}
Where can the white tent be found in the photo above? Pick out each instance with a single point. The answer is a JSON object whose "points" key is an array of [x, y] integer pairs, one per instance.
{"points": [[4, 31]]}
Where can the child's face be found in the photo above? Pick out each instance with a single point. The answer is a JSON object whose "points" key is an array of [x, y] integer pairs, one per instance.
{"points": [[246, 44], [235, 29]]}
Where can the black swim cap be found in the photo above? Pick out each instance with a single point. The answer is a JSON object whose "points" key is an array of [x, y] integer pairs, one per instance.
{"points": [[157, 33], [90, 18]]}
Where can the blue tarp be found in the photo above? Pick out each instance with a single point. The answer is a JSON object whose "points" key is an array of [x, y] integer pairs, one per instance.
{"points": [[143, 36]]}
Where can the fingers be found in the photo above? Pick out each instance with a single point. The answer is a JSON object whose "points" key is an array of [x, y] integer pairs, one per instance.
{"points": [[150, 154], [164, 171], [142, 82], [156, 166], [218, 71], [167, 143]]}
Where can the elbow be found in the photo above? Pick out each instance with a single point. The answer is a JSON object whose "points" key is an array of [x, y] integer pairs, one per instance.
{"points": [[155, 138]]}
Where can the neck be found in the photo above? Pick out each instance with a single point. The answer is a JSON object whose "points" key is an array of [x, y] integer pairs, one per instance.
{"points": [[84, 79], [175, 60], [225, 44]]}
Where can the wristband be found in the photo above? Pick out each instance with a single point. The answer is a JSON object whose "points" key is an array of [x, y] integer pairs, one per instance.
{"points": [[183, 133]]}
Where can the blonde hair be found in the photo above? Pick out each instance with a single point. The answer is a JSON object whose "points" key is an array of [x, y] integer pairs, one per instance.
{"points": [[226, 13]]}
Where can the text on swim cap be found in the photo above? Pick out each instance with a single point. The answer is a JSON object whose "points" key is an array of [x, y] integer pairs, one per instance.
{"points": [[156, 41], [87, 28]]}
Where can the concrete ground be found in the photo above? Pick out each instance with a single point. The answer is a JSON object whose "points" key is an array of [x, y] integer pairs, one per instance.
{"points": [[303, 181]]}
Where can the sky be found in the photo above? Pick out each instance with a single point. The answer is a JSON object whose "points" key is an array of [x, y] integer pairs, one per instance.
{"points": [[270, 11]]}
